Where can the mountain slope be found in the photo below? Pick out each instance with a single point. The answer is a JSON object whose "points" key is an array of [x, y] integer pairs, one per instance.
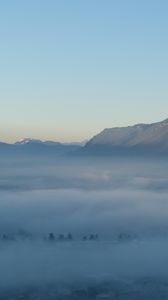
{"points": [[140, 136]]}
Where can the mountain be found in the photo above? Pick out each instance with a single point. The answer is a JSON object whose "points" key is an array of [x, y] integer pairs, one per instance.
{"points": [[29, 141], [139, 137], [30, 146]]}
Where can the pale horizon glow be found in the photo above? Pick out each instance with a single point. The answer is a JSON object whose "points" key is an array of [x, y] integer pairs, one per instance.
{"points": [[64, 137], [69, 69]]}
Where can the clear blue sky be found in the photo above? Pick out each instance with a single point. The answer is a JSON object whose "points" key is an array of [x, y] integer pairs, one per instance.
{"points": [[69, 68]]}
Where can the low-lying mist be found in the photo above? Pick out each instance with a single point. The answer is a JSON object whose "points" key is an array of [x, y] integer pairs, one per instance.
{"points": [[123, 201]]}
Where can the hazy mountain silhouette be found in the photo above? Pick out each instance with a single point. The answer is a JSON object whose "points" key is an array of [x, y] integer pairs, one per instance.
{"points": [[139, 137], [34, 147]]}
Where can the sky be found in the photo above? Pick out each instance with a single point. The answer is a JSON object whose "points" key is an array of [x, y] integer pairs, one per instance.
{"points": [[70, 68]]}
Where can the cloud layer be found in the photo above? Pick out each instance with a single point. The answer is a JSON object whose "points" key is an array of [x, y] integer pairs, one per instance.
{"points": [[85, 196]]}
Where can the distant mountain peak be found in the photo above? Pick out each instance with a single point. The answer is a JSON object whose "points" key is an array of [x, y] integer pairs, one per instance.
{"points": [[28, 141]]}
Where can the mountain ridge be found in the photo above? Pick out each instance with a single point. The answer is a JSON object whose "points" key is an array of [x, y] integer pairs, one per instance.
{"points": [[137, 138], [37, 147], [144, 136]]}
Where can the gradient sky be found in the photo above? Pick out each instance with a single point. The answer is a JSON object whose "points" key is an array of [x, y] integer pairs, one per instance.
{"points": [[70, 68]]}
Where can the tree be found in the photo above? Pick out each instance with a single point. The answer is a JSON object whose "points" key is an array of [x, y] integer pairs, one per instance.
{"points": [[51, 236], [70, 238]]}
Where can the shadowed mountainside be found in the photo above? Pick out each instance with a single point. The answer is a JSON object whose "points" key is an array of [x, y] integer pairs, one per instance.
{"points": [[140, 137]]}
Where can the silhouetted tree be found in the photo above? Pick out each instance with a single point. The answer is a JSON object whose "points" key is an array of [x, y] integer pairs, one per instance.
{"points": [[5, 237], [91, 237], [70, 238], [51, 237]]}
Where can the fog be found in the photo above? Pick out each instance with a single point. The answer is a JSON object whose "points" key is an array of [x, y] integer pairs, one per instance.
{"points": [[82, 212], [122, 200], [26, 264]]}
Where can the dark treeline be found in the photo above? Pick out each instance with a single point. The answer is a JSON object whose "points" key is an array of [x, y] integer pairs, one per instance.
{"points": [[52, 237], [23, 235], [69, 237]]}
